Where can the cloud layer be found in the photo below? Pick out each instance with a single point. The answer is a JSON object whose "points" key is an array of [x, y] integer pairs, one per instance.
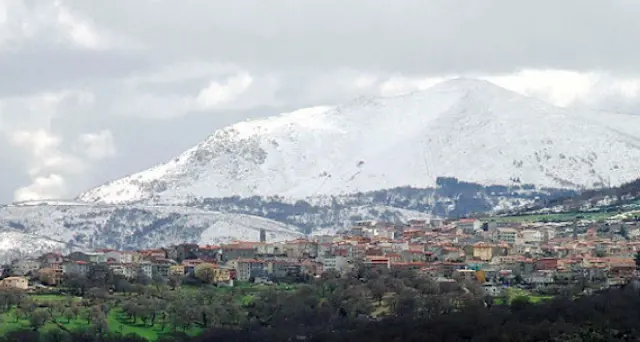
{"points": [[91, 92]]}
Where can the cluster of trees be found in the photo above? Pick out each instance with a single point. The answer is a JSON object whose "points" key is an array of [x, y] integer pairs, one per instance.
{"points": [[16, 305], [364, 304], [609, 316]]}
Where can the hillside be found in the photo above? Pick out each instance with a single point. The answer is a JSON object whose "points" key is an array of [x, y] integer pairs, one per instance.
{"points": [[49, 227], [467, 129]]}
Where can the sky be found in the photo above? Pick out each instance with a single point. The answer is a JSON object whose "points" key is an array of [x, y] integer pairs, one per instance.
{"points": [[94, 90]]}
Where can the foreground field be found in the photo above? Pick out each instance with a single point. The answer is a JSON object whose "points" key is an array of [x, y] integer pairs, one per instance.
{"points": [[151, 316], [116, 320]]}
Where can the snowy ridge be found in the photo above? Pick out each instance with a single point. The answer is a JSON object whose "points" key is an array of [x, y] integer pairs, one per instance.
{"points": [[14, 244], [133, 226], [468, 129]]}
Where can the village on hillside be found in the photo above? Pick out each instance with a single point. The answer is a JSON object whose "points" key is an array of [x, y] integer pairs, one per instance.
{"points": [[543, 258]]}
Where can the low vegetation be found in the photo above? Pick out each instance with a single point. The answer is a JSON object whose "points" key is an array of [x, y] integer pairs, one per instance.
{"points": [[364, 304]]}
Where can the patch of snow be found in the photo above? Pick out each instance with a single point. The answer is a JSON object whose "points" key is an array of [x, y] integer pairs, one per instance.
{"points": [[55, 202]]}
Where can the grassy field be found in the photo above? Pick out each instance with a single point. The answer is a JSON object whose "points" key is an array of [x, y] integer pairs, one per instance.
{"points": [[513, 293], [116, 318]]}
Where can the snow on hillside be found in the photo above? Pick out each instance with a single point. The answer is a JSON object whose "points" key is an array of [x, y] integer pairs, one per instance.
{"points": [[48, 202], [136, 226], [15, 244], [468, 129]]}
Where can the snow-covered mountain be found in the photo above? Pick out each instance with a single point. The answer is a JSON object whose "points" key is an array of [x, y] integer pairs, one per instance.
{"points": [[468, 129], [461, 147], [36, 227]]}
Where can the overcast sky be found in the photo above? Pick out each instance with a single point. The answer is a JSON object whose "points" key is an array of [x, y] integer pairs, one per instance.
{"points": [[95, 90]]}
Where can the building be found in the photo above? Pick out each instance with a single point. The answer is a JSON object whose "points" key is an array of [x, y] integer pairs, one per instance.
{"points": [[377, 262], [209, 252], [126, 270], [183, 251], [79, 268], [248, 268], [532, 236], [20, 283], [145, 268], [338, 263], [508, 235], [417, 224], [301, 248], [469, 226], [238, 251], [130, 257], [51, 260], [161, 268], [24, 267], [546, 264], [190, 266], [483, 251], [87, 257]]}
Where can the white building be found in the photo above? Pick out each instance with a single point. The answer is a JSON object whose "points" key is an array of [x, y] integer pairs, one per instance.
{"points": [[531, 236], [338, 263]]}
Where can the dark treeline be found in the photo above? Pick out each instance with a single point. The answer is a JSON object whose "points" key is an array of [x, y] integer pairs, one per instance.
{"points": [[610, 316], [350, 308]]}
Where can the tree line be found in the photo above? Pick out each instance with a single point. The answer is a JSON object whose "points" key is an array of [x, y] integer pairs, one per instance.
{"points": [[364, 304]]}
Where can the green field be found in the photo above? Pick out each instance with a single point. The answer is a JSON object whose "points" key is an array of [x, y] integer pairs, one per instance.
{"points": [[243, 293], [513, 293], [116, 320]]}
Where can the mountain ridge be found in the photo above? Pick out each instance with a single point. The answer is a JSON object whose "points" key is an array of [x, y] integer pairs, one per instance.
{"points": [[468, 129]]}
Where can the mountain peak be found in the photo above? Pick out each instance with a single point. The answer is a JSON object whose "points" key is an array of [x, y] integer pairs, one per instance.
{"points": [[465, 128]]}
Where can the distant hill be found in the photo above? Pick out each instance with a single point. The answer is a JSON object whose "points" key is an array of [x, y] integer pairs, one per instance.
{"points": [[613, 199]]}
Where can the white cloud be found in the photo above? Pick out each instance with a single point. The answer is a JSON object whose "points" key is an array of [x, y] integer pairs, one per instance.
{"points": [[560, 87], [220, 93], [397, 85], [44, 187], [96, 146], [47, 163], [48, 21], [595, 90], [39, 143], [365, 81], [79, 30]]}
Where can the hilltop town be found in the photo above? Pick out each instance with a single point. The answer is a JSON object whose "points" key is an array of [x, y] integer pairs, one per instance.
{"points": [[540, 257]]}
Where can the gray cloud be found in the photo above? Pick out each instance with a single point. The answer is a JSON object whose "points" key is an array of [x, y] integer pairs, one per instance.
{"points": [[43, 68], [412, 36], [158, 76]]}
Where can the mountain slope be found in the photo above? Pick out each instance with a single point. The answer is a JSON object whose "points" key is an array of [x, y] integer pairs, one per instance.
{"points": [[135, 226], [14, 244], [468, 129]]}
